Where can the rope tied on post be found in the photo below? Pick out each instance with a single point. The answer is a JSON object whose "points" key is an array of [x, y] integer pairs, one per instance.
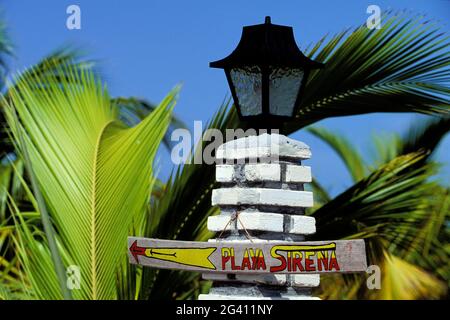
{"points": [[233, 217]]}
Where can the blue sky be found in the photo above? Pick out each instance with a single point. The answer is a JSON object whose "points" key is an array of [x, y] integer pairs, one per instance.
{"points": [[147, 47]]}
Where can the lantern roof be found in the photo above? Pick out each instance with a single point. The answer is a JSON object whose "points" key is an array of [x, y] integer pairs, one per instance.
{"points": [[267, 44]]}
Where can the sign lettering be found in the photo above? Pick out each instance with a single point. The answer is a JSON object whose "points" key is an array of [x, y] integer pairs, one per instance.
{"points": [[260, 257]]}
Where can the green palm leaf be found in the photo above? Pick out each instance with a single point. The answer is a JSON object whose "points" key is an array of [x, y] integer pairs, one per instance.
{"points": [[49, 66], [95, 174], [425, 135], [402, 67], [390, 209], [12, 178], [133, 110], [406, 231], [390, 196], [6, 51], [352, 159]]}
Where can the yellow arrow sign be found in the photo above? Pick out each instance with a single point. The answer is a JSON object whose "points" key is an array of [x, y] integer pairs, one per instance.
{"points": [[247, 257], [196, 257]]}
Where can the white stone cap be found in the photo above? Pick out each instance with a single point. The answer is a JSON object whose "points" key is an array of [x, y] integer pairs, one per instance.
{"points": [[272, 146]]}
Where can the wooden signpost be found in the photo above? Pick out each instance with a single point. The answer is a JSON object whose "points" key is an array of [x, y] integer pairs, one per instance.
{"points": [[261, 252], [250, 257]]}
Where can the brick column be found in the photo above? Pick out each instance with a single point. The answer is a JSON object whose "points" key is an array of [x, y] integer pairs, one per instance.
{"points": [[262, 180]]}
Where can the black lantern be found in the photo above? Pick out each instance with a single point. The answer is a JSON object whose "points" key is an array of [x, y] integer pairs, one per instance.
{"points": [[267, 74]]}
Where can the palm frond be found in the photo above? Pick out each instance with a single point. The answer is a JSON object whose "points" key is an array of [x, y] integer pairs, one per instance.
{"points": [[385, 147], [389, 197], [390, 209], [422, 135], [404, 281], [399, 280], [50, 66], [428, 248], [35, 258], [11, 170], [351, 158], [95, 174], [6, 52], [402, 67], [425, 135], [133, 110], [47, 225]]}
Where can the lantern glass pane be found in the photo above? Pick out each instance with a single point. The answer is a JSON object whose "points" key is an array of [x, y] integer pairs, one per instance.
{"points": [[247, 82], [284, 84]]}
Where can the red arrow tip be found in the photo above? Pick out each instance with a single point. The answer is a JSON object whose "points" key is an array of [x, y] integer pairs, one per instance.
{"points": [[137, 251]]}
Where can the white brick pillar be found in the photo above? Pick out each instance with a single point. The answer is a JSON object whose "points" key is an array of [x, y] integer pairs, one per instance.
{"points": [[262, 179]]}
